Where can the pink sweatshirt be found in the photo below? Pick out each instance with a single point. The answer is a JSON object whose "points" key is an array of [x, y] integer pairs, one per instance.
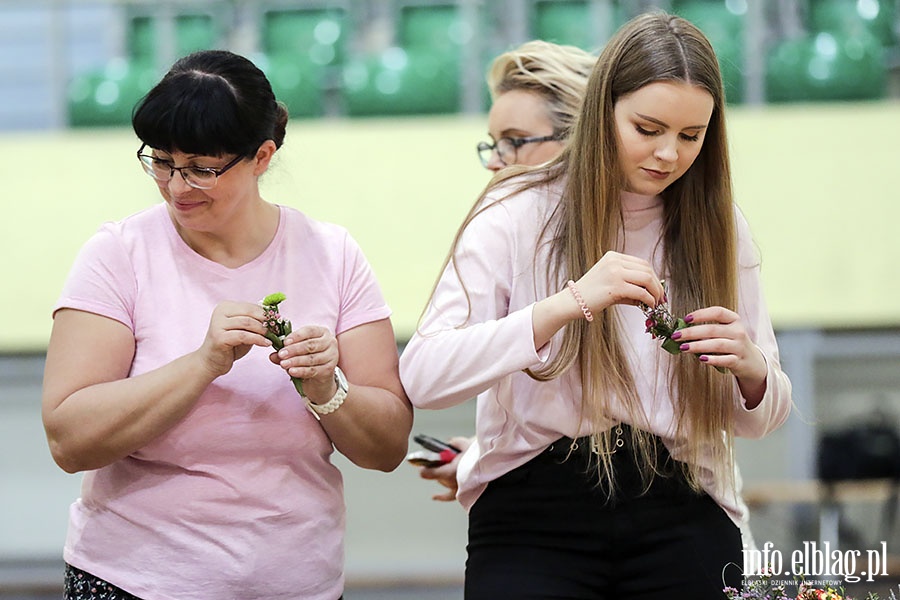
{"points": [[240, 500], [517, 417]]}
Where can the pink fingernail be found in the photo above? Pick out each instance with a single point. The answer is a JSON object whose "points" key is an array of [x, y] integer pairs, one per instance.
{"points": [[704, 358], [676, 335], [684, 347], [689, 319]]}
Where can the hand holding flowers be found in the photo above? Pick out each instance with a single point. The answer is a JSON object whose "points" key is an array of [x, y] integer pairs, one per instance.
{"points": [[308, 354], [662, 324], [278, 328], [718, 337], [234, 328]]}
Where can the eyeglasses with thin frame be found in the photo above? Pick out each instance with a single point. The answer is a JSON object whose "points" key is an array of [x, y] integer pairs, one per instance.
{"points": [[508, 147], [202, 178]]}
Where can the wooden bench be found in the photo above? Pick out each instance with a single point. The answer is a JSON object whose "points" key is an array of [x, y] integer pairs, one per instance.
{"points": [[828, 498]]}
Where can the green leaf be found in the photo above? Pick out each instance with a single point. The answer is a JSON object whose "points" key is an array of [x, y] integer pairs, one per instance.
{"points": [[671, 346], [287, 328]]}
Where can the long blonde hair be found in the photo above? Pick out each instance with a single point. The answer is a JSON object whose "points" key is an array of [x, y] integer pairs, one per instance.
{"points": [[699, 242]]}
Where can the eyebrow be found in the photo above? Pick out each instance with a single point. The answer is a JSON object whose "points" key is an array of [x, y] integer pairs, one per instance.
{"points": [[662, 124], [512, 132], [188, 156]]}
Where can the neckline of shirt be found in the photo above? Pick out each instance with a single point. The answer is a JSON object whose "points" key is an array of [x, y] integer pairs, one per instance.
{"points": [[193, 255]]}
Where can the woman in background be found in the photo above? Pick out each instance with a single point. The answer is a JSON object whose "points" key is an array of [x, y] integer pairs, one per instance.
{"points": [[207, 476], [536, 94]]}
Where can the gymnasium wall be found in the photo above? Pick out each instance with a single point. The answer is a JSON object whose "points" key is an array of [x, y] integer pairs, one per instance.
{"points": [[818, 184]]}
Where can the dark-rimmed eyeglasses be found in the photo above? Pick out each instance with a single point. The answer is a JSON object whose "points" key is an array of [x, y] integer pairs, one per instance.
{"points": [[508, 147], [162, 169]]}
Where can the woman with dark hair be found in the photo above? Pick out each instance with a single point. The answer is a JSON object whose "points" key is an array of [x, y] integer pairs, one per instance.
{"points": [[207, 475], [603, 466]]}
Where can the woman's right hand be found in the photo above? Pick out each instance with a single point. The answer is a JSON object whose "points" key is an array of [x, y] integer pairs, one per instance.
{"points": [[234, 328], [446, 474], [614, 279], [620, 279]]}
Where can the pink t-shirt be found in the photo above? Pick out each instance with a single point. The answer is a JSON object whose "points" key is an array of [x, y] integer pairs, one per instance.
{"points": [[240, 500], [517, 417]]}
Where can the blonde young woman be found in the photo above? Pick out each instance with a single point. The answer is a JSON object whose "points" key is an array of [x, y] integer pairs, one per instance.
{"points": [[603, 466], [536, 94]]}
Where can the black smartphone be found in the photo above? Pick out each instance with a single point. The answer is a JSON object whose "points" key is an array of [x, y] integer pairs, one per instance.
{"points": [[435, 454], [433, 444]]}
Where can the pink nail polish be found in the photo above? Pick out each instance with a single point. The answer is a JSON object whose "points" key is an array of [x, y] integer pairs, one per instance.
{"points": [[684, 347], [676, 335], [689, 319], [704, 358]]}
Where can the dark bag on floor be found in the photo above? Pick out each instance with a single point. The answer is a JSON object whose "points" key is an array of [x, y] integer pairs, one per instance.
{"points": [[864, 450]]}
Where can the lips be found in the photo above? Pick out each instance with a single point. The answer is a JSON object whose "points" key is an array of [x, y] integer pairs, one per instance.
{"points": [[185, 206], [654, 174]]}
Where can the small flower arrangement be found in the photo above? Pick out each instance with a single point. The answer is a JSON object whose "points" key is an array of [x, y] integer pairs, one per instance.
{"points": [[763, 588], [758, 588], [661, 323], [810, 593], [829, 593], [278, 328]]}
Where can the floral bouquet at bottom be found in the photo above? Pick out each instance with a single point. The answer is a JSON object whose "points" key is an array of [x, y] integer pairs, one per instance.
{"points": [[759, 588], [278, 328], [764, 588]]}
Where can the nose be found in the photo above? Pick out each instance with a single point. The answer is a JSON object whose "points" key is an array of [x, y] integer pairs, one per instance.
{"points": [[495, 164], [666, 150], [177, 184]]}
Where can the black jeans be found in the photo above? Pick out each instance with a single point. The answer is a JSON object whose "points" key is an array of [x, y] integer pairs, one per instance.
{"points": [[546, 530]]}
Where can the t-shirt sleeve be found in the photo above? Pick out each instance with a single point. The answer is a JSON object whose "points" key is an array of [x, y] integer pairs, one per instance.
{"points": [[101, 280], [361, 298]]}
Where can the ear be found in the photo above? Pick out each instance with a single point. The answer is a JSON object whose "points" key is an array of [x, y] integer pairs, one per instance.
{"points": [[264, 156]]}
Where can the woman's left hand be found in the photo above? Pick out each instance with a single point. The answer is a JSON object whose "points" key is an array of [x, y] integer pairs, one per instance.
{"points": [[718, 337], [446, 474], [372, 426], [310, 353]]}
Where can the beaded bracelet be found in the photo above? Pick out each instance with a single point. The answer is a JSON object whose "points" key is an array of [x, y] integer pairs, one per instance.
{"points": [[588, 315]]}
